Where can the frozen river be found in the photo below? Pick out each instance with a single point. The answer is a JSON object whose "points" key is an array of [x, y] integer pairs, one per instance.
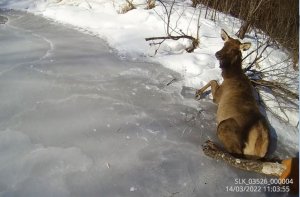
{"points": [[77, 120]]}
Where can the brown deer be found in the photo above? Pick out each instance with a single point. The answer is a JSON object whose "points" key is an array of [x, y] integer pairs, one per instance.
{"points": [[242, 129]]}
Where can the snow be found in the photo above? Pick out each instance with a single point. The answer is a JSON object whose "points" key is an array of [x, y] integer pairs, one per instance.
{"points": [[270, 168], [78, 120]]}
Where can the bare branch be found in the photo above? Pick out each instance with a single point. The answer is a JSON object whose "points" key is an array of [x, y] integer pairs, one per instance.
{"points": [[170, 37], [170, 30]]}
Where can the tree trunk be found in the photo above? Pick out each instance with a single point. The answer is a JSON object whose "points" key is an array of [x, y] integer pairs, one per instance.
{"points": [[243, 30]]}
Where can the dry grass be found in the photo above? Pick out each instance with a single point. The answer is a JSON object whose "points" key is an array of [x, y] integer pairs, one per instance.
{"points": [[127, 7], [150, 4]]}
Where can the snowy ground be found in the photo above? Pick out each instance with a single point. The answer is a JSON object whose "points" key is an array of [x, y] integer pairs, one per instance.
{"points": [[78, 120]]}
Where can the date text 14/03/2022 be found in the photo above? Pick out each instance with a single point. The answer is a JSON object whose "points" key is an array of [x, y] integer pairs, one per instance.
{"points": [[260, 185], [257, 188]]}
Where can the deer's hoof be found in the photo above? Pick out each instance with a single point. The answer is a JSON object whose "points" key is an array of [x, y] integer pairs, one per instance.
{"points": [[198, 94]]}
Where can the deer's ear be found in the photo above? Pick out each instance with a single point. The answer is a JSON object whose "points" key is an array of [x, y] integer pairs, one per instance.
{"points": [[245, 46], [224, 35]]}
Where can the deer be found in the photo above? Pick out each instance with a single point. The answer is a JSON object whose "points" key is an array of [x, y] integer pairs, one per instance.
{"points": [[242, 129]]}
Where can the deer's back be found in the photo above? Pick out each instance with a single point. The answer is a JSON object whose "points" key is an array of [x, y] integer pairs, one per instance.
{"points": [[237, 101]]}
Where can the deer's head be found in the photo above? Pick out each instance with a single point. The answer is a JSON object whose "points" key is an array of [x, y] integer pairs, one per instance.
{"points": [[230, 56]]}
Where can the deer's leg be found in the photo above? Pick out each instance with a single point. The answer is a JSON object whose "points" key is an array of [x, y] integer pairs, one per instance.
{"points": [[229, 134], [214, 89]]}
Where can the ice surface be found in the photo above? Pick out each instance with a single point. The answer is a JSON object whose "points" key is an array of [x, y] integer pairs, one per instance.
{"points": [[76, 120]]}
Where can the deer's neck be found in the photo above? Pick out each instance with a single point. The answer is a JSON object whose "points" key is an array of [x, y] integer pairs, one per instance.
{"points": [[233, 70]]}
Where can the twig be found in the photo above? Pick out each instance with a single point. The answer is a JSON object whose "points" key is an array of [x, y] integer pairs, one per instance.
{"points": [[88, 3], [275, 85], [170, 30], [170, 37], [172, 81]]}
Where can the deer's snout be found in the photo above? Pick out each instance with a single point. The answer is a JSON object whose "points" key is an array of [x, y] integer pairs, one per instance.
{"points": [[218, 55]]}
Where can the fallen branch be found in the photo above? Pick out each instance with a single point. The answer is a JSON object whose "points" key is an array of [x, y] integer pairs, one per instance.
{"points": [[195, 41], [288, 169], [170, 37], [267, 168]]}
